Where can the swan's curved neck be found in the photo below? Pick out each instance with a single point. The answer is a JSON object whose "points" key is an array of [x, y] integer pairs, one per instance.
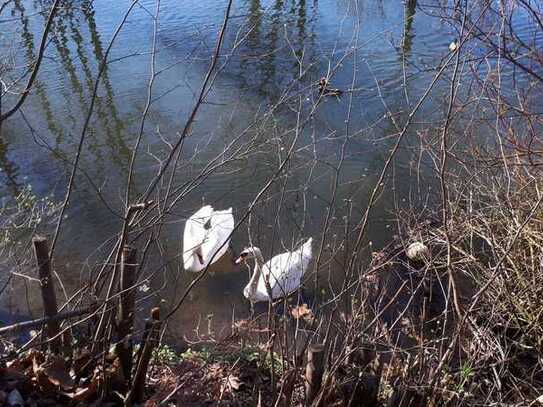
{"points": [[253, 282]]}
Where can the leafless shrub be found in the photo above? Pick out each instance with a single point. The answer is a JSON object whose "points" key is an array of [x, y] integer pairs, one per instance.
{"points": [[459, 325]]}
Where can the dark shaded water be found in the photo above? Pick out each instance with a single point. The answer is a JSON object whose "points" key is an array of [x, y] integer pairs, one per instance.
{"points": [[366, 43]]}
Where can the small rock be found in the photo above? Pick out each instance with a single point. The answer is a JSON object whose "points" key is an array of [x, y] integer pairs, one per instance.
{"points": [[15, 399], [418, 251]]}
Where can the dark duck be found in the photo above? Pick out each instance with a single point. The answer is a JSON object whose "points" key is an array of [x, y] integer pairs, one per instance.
{"points": [[325, 90]]}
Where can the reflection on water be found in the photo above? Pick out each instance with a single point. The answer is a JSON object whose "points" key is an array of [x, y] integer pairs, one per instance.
{"points": [[279, 35], [407, 39], [28, 41], [10, 170], [278, 41]]}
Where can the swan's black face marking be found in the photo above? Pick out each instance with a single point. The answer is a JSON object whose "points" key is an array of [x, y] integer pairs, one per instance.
{"points": [[207, 225], [201, 258], [242, 257]]}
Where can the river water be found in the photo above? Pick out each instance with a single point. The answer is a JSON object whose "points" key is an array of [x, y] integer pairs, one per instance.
{"points": [[381, 53]]}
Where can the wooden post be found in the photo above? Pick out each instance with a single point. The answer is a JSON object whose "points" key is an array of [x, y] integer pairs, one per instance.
{"points": [[41, 252], [144, 336], [138, 385], [314, 371], [123, 349]]}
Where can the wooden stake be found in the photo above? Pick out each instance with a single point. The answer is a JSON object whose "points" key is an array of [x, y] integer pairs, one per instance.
{"points": [[123, 349], [314, 371], [138, 385], [41, 252]]}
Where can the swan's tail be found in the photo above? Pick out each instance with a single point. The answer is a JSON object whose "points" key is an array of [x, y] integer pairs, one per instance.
{"points": [[307, 253], [223, 220], [202, 214]]}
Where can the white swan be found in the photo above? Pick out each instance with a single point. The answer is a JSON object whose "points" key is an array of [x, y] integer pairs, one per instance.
{"points": [[284, 271], [206, 232]]}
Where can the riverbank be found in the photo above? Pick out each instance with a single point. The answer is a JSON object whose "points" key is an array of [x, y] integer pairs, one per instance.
{"points": [[446, 314], [408, 339]]}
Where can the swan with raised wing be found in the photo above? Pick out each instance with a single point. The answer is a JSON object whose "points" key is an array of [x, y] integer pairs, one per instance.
{"points": [[206, 232], [284, 272]]}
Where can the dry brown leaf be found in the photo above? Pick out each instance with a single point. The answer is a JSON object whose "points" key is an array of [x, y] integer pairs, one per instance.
{"points": [[234, 382], [302, 312], [58, 373], [215, 368], [24, 361], [83, 393]]}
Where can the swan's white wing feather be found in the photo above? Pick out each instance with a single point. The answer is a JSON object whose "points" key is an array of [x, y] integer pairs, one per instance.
{"points": [[286, 270], [218, 238], [194, 236], [306, 254], [204, 212]]}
